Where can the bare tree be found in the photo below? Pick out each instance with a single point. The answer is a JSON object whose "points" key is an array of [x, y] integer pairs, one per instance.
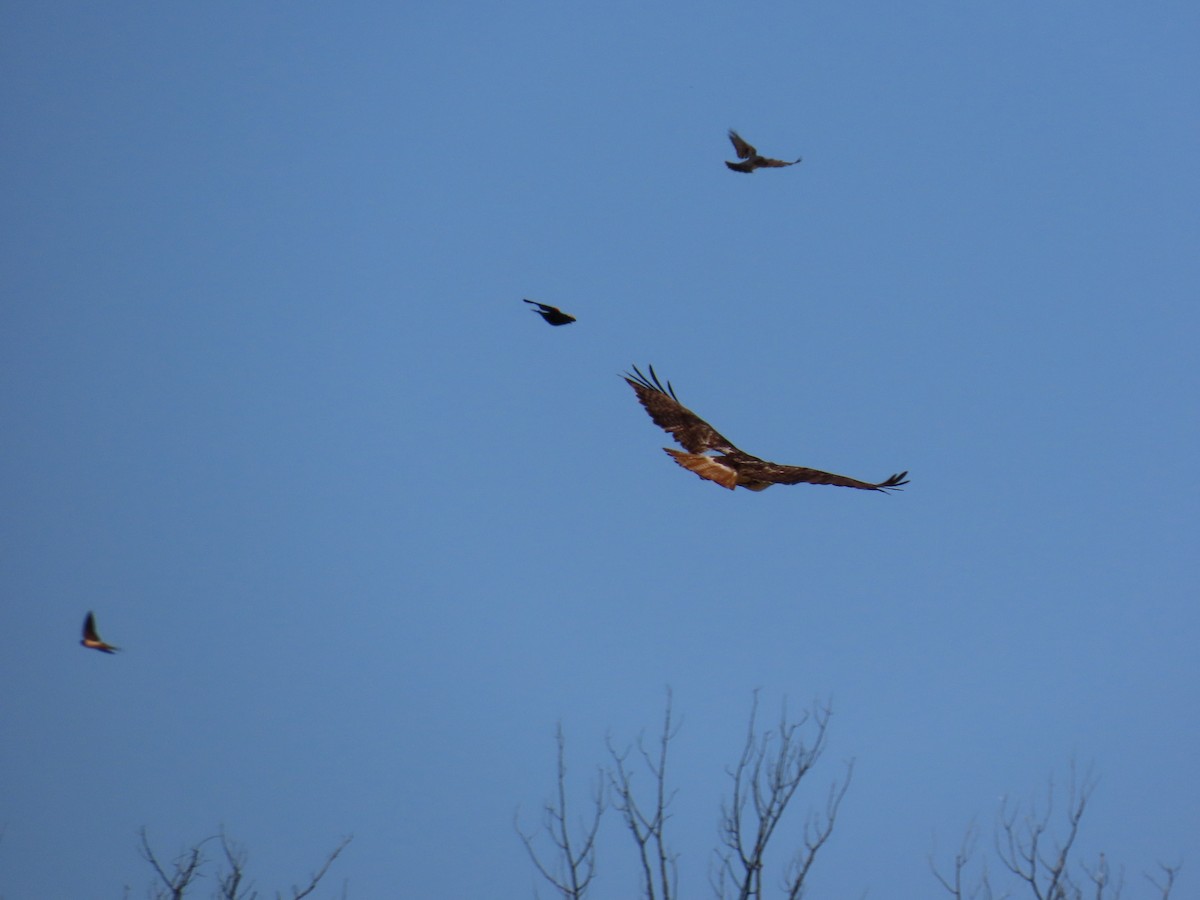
{"points": [[1164, 887], [1038, 859], [765, 779], [185, 870], [315, 878], [1034, 856], [955, 883], [659, 872], [573, 863], [1027, 847]]}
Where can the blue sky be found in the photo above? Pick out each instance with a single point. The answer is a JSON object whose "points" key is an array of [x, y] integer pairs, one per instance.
{"points": [[367, 529]]}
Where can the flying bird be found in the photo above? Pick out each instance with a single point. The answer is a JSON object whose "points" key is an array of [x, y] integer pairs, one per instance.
{"points": [[752, 159], [551, 314], [91, 638], [729, 467]]}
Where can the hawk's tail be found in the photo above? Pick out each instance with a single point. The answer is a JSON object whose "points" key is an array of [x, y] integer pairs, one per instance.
{"points": [[705, 466]]}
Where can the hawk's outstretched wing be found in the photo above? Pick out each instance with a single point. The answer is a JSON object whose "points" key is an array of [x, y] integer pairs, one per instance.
{"points": [[754, 474], [765, 162], [746, 167], [740, 147], [691, 431], [774, 473]]}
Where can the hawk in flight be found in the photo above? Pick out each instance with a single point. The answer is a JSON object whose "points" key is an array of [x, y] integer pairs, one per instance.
{"points": [[730, 467], [91, 637], [551, 314], [750, 157]]}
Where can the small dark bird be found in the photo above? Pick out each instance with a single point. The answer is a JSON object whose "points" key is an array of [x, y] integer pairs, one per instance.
{"points": [[91, 638], [752, 159], [731, 468], [551, 314]]}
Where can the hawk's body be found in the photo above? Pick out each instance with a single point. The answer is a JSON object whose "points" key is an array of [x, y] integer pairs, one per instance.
{"points": [[551, 314], [91, 637], [750, 158], [727, 466]]}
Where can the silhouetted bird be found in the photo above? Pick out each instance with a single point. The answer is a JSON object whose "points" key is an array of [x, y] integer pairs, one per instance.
{"points": [[732, 467], [752, 159], [91, 637], [551, 314]]}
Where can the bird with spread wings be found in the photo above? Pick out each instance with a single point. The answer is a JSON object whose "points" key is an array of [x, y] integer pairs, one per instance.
{"points": [[730, 467], [551, 314], [750, 158], [91, 637]]}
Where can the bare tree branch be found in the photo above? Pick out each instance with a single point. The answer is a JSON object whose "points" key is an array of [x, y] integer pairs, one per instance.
{"points": [[1169, 875], [955, 884], [1022, 849], [817, 830], [186, 868], [1028, 850], [315, 879], [573, 868], [1102, 880], [659, 873], [235, 859], [765, 779], [229, 884]]}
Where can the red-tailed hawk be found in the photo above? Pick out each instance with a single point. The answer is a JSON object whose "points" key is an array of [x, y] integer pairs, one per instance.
{"points": [[91, 637], [729, 467], [752, 159], [551, 314]]}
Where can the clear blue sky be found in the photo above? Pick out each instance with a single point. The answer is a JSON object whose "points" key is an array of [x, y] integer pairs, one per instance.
{"points": [[366, 528]]}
